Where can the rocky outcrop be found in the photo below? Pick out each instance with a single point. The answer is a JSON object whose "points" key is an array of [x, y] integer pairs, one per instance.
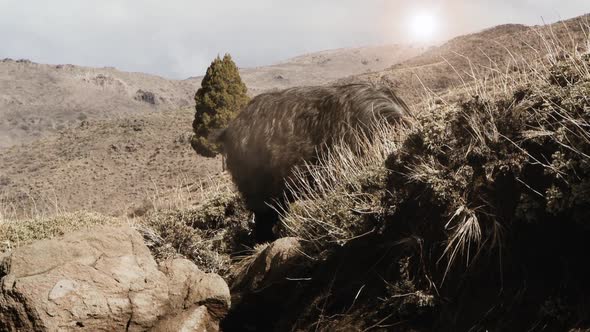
{"points": [[264, 285], [105, 280], [145, 96], [270, 266]]}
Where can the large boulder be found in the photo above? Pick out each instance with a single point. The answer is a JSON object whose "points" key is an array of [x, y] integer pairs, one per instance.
{"points": [[105, 280]]}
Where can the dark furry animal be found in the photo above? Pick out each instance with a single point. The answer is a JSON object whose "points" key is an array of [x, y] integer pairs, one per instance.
{"points": [[279, 130]]}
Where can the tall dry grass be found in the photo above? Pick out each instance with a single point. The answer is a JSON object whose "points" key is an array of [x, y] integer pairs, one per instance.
{"points": [[331, 196], [339, 199]]}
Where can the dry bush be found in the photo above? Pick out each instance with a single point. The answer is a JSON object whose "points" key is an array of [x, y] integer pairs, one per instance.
{"points": [[209, 233]]}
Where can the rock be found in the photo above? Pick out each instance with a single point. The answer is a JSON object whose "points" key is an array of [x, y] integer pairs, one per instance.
{"points": [[205, 294], [105, 280], [145, 96], [189, 285], [197, 320], [269, 266], [262, 287]]}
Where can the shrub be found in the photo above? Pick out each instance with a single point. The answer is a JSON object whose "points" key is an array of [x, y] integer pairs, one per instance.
{"points": [[209, 234], [221, 96]]}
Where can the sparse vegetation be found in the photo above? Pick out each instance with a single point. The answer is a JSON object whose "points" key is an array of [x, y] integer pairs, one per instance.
{"points": [[17, 232], [221, 96], [209, 234], [119, 167]]}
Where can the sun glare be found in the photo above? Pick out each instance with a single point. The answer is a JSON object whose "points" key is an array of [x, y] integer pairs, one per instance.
{"points": [[423, 26]]}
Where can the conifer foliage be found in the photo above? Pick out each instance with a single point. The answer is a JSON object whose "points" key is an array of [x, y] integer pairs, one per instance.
{"points": [[218, 101]]}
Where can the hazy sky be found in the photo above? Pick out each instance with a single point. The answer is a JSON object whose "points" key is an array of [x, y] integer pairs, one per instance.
{"points": [[179, 38]]}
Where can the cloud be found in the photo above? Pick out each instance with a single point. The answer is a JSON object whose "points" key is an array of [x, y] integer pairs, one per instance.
{"points": [[178, 38]]}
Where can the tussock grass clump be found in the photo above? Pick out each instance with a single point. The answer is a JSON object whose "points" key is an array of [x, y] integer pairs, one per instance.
{"points": [[209, 234], [338, 198], [18, 232], [475, 217]]}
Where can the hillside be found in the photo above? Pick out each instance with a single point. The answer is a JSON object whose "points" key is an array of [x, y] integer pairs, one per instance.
{"points": [[119, 166], [38, 99], [93, 142], [459, 61], [327, 66]]}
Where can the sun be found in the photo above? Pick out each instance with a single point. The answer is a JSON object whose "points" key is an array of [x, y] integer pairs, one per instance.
{"points": [[423, 26]]}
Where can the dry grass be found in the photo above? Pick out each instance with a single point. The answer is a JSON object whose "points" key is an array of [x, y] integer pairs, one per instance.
{"points": [[208, 225], [507, 151], [334, 197], [18, 232], [243, 261], [202, 221], [122, 166]]}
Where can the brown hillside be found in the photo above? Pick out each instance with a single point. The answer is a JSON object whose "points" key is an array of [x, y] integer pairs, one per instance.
{"points": [[502, 48], [118, 166], [38, 99], [91, 144], [327, 66]]}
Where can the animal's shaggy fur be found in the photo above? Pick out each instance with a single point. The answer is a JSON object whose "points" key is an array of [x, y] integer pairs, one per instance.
{"points": [[279, 130]]}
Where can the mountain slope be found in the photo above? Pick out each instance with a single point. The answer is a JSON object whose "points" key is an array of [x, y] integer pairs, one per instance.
{"points": [[324, 67], [499, 49], [38, 99], [115, 166], [109, 141]]}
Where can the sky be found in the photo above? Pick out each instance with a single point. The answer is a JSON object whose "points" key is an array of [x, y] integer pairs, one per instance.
{"points": [[179, 38]]}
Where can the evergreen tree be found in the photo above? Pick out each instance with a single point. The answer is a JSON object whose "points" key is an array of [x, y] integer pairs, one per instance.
{"points": [[221, 96]]}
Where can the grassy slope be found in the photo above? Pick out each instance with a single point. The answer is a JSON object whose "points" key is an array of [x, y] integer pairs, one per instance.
{"points": [[459, 61], [129, 155], [118, 167], [479, 220]]}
